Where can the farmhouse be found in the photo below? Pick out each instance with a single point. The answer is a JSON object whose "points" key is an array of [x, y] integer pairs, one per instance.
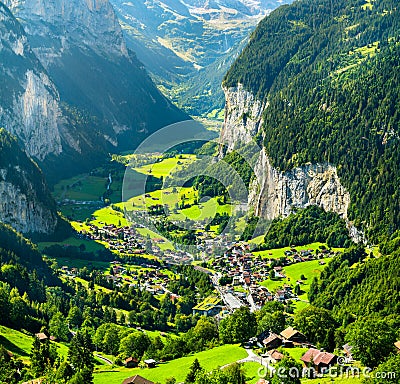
{"points": [[137, 380], [397, 345], [273, 341], [290, 334], [275, 356], [131, 362], [321, 361]]}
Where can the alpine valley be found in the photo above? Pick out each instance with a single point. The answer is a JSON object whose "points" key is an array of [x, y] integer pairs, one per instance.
{"points": [[135, 249]]}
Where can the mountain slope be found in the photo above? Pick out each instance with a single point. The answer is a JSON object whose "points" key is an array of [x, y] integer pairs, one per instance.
{"points": [[29, 102], [180, 42], [329, 95], [107, 100], [26, 203]]}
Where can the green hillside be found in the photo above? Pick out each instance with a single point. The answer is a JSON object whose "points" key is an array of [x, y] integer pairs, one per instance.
{"points": [[333, 93]]}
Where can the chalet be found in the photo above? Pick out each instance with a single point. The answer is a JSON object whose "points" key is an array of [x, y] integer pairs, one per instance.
{"points": [[262, 381], [319, 360], [274, 356], [150, 363], [290, 334], [137, 380], [397, 345], [131, 362], [273, 341]]}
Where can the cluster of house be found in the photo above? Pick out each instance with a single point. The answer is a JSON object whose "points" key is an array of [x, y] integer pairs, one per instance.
{"points": [[122, 239], [152, 278], [241, 265], [314, 358]]}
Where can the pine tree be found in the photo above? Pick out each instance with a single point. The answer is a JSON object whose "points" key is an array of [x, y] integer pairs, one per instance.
{"points": [[80, 355], [194, 369]]}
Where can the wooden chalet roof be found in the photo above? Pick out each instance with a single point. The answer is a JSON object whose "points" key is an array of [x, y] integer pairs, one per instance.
{"points": [[137, 380], [318, 357]]}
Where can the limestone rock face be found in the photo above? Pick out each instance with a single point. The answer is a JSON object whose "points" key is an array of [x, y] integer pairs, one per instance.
{"points": [[23, 213], [29, 101], [70, 90], [313, 184], [64, 23], [243, 117], [25, 201], [274, 193]]}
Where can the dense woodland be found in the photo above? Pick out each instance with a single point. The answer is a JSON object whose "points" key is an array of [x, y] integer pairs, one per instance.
{"points": [[333, 93], [307, 226]]}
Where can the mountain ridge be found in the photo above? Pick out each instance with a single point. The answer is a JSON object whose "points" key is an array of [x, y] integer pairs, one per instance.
{"points": [[99, 97]]}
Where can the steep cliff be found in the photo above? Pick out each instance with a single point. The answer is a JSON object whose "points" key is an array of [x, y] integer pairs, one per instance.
{"points": [[275, 193], [29, 102], [243, 117], [280, 192], [81, 87], [26, 203]]}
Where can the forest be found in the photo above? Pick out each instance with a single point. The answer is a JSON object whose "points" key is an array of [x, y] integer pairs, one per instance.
{"points": [[333, 97]]}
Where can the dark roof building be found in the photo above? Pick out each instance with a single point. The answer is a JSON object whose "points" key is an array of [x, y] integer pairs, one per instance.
{"points": [[137, 380], [272, 341], [294, 336], [131, 362]]}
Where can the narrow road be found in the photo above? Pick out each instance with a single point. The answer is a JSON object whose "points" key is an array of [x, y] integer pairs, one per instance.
{"points": [[108, 361]]}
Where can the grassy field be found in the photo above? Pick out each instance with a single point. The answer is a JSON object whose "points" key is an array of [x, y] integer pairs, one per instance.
{"points": [[309, 269], [257, 240], [20, 344], [16, 342], [166, 166], [153, 235], [280, 252], [108, 216], [252, 370], [165, 197], [178, 368], [296, 353], [90, 246], [82, 187], [79, 263], [202, 211]]}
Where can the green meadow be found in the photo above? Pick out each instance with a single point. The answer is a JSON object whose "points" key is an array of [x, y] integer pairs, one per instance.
{"points": [[309, 269], [166, 166], [178, 368]]}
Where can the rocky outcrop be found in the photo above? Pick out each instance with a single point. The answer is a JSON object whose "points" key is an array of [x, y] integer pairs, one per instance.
{"points": [[279, 193], [275, 194], [25, 201], [22, 212], [88, 23], [243, 117], [72, 91], [29, 101]]}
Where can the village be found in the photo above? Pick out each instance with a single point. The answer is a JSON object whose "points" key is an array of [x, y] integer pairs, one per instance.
{"points": [[237, 274]]}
